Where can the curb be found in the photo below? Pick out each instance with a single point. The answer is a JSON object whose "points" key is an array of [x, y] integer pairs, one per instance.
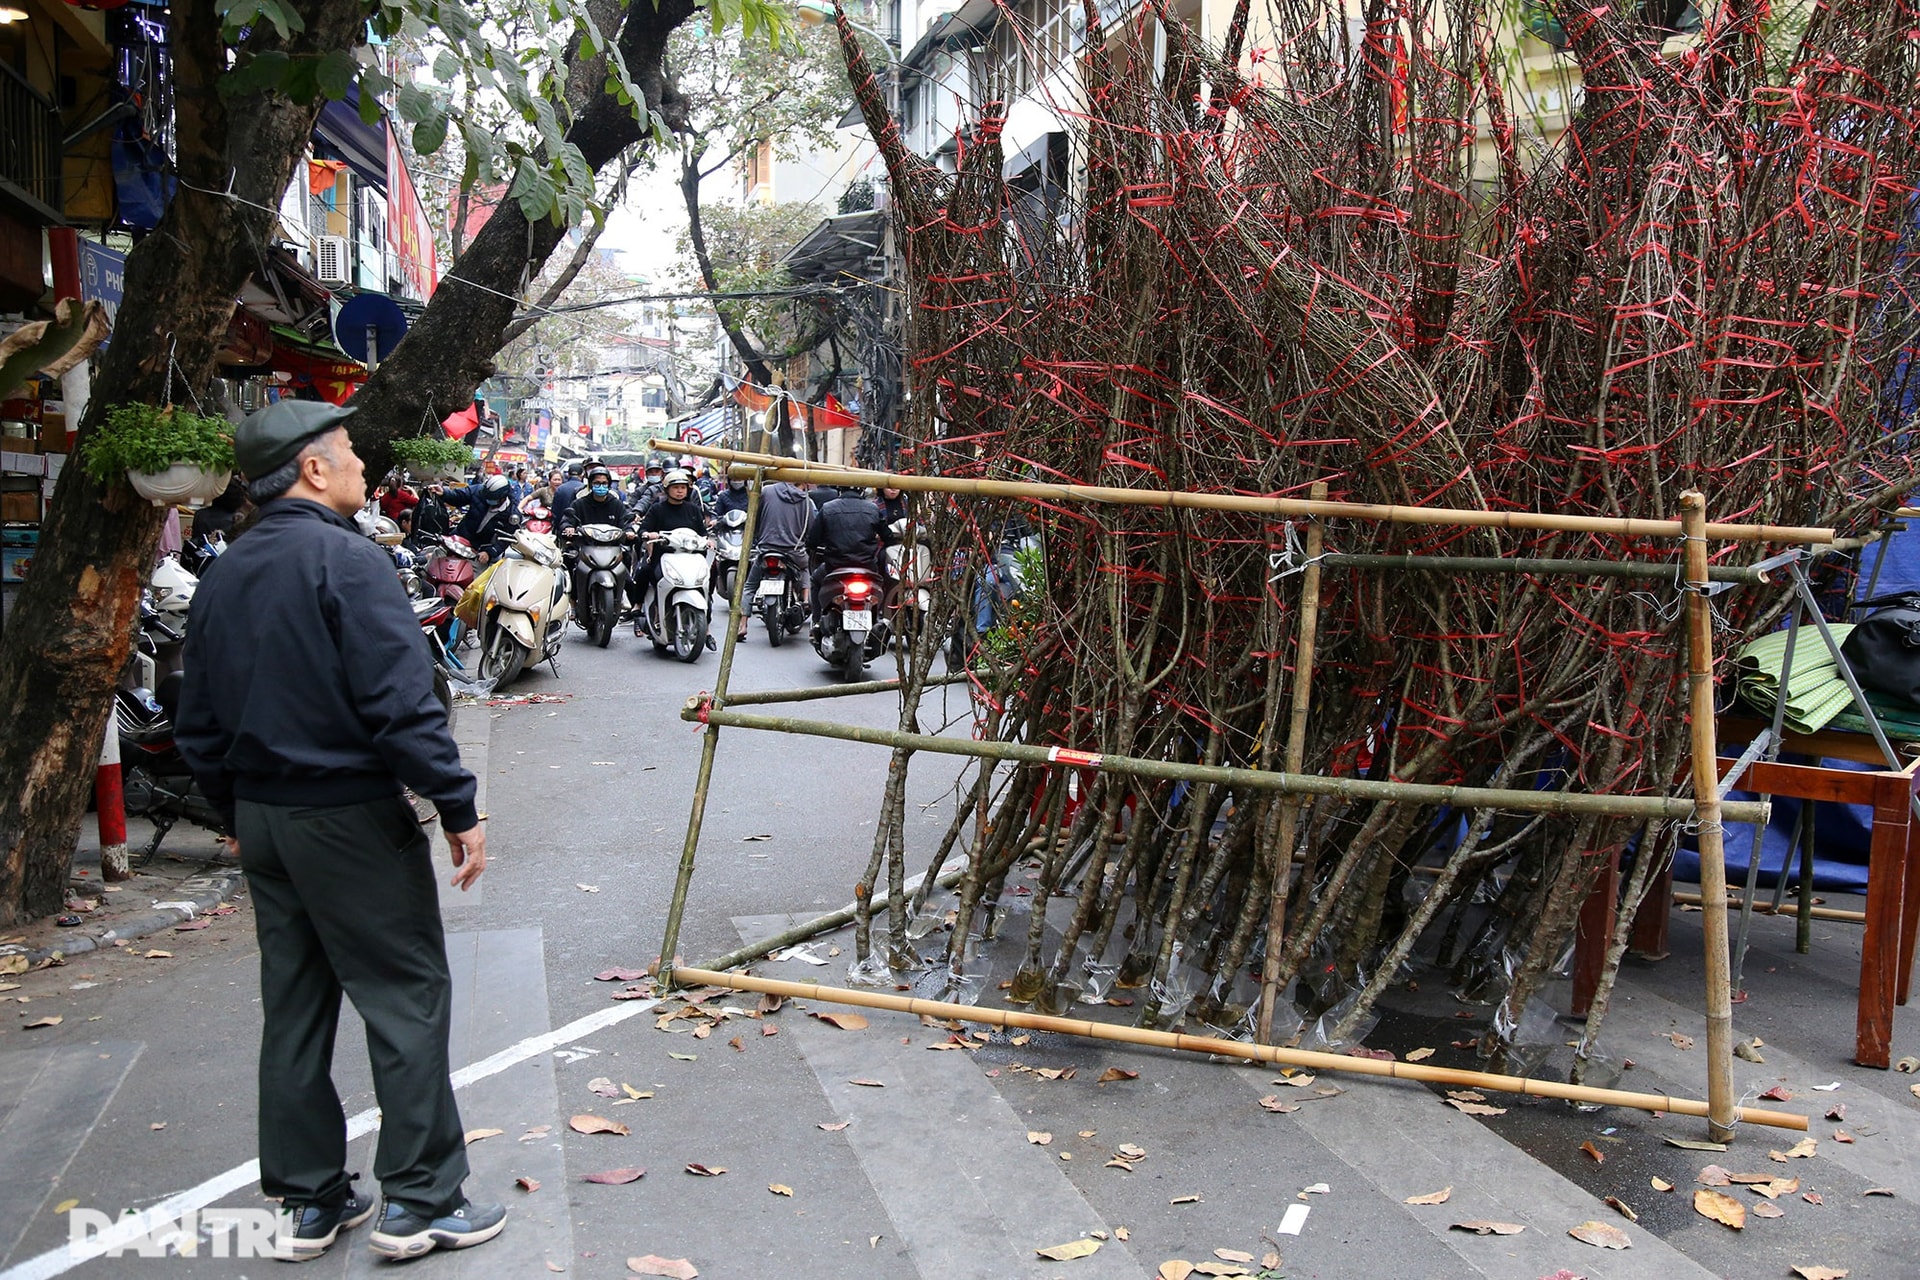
{"points": [[193, 895]]}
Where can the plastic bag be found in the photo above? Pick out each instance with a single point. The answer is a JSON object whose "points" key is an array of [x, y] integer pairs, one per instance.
{"points": [[468, 610]]}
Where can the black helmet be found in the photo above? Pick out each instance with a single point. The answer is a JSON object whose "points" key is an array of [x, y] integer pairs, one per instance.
{"points": [[596, 475], [654, 464]]}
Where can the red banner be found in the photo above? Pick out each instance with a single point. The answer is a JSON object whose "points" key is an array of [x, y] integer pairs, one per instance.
{"points": [[409, 230]]}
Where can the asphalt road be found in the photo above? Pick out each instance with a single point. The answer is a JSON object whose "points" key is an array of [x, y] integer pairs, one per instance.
{"points": [[144, 1093]]}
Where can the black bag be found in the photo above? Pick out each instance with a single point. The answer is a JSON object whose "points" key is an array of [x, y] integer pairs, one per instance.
{"points": [[1884, 648]]}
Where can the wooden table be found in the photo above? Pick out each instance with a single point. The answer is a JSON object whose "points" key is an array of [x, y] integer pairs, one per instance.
{"points": [[1893, 875]]}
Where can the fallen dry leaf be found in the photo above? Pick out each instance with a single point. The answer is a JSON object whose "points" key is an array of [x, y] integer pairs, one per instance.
{"points": [[157, 1125], [1779, 1093], [1317, 1189], [1175, 1269], [1813, 1198], [52, 1020], [555, 1267], [844, 1021], [1272, 1103], [737, 1045], [1131, 1152], [587, 888], [1039, 1138], [1679, 1041], [1768, 1209], [1299, 1081], [1714, 1176], [1116, 1073], [615, 1177], [528, 1185], [1746, 1049], [1190, 1200], [1419, 1055], [1841, 1135], [1269, 1262], [672, 1268], [1118, 1163], [604, 1087], [1233, 1255], [1877, 1191], [1801, 1150], [868, 1084], [706, 1171], [1121, 1233], [638, 1095], [596, 1124], [1476, 1108], [769, 1030], [836, 1126], [157, 954], [1481, 1227], [1838, 1111], [1441, 1196], [1694, 1144], [1721, 1207], [1088, 1133], [1220, 1269], [1016, 1041], [1660, 1184], [780, 1189], [1593, 1153], [1601, 1235], [684, 1057], [536, 1133], [702, 1031], [1821, 1273], [1466, 1095], [65, 1206], [480, 1135], [1069, 1251], [619, 975]]}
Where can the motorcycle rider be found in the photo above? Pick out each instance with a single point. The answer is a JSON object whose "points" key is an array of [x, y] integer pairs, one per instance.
{"points": [[568, 490], [733, 497], [651, 488], [598, 505], [846, 536], [893, 507], [786, 517], [676, 509], [490, 521]]}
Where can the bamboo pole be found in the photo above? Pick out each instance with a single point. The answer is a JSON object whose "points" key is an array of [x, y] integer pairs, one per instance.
{"points": [[1745, 575], [709, 741], [1227, 1048], [760, 697], [1706, 795], [1769, 909], [1518, 801], [1288, 508], [947, 878], [1292, 760]]}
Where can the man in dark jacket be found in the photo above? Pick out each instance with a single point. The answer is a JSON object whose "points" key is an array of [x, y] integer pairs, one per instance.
{"points": [[598, 505], [786, 513], [491, 518], [846, 536], [677, 509], [565, 494], [304, 742], [734, 496]]}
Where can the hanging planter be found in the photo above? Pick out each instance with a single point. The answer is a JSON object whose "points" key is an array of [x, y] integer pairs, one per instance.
{"points": [[169, 455], [433, 457]]}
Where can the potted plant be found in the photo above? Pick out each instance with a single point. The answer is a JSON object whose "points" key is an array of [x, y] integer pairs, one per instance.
{"points": [[433, 457], [168, 454]]}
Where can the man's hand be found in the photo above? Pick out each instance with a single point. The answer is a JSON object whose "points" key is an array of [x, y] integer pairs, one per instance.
{"points": [[469, 855]]}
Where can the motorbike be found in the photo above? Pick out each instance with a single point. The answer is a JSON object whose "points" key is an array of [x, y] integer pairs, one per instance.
{"points": [[202, 550], [172, 588], [449, 673], [850, 634], [535, 516], [523, 613], [602, 549], [678, 609], [777, 600], [908, 599], [726, 552], [156, 783], [449, 571]]}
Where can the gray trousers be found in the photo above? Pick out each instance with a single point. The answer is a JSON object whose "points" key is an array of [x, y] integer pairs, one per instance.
{"points": [[344, 900]]}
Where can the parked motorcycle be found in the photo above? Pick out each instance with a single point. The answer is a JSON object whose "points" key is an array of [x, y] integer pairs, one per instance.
{"points": [[449, 571], [603, 578], [851, 633], [778, 598], [172, 588], [726, 552], [156, 783], [523, 613], [678, 609]]}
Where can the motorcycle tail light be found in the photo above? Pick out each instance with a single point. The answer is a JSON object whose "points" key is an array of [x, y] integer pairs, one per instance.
{"points": [[774, 564], [859, 589]]}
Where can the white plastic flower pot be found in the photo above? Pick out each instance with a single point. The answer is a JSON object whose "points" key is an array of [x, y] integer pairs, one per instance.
{"points": [[181, 484]]}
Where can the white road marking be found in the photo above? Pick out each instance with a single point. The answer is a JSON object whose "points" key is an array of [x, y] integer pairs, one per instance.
{"points": [[133, 1226]]}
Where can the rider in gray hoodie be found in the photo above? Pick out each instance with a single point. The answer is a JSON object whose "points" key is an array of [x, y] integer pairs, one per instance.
{"points": [[785, 512]]}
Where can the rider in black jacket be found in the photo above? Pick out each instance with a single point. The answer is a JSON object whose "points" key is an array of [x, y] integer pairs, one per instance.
{"points": [[846, 536], [677, 509], [597, 504]]}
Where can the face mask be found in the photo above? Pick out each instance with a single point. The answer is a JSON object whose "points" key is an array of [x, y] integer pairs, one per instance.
{"points": [[600, 491]]}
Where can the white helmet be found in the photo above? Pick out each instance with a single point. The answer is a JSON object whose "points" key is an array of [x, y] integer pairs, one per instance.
{"points": [[677, 476]]}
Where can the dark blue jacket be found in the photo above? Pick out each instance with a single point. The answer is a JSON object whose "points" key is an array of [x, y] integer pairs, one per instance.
{"points": [[563, 496], [486, 528], [308, 681]]}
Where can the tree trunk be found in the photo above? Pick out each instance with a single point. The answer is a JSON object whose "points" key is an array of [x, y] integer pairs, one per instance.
{"points": [[72, 630], [757, 367]]}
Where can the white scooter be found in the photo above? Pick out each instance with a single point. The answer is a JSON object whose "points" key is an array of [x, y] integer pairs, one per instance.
{"points": [[678, 608], [726, 553], [523, 614], [908, 599]]}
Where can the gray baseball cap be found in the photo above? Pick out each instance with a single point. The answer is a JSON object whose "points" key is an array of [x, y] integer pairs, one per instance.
{"points": [[275, 435]]}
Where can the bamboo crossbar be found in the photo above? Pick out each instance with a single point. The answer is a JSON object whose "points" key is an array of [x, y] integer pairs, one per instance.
{"points": [[1735, 902], [685, 977], [1742, 574], [1617, 526], [697, 711], [761, 697]]}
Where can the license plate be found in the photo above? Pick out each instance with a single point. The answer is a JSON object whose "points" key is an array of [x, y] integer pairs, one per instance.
{"points": [[772, 587], [859, 620]]}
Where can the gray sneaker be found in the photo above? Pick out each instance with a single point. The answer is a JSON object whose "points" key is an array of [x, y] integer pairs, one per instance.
{"points": [[408, 1233], [308, 1230]]}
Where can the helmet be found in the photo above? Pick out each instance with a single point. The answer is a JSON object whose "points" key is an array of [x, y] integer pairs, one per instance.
{"points": [[677, 476], [495, 487], [654, 464], [386, 532], [599, 475]]}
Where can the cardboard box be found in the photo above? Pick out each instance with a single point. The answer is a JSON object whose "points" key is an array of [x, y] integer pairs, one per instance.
{"points": [[20, 508]]}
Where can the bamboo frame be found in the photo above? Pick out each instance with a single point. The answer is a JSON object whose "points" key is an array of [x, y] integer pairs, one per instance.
{"points": [[1292, 759], [706, 712], [1228, 1048], [1769, 909], [1546, 521]]}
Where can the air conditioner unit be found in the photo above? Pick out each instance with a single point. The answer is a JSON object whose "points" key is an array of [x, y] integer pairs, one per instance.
{"points": [[333, 263]]}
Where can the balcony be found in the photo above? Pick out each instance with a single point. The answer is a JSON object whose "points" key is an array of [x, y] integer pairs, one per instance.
{"points": [[29, 148]]}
